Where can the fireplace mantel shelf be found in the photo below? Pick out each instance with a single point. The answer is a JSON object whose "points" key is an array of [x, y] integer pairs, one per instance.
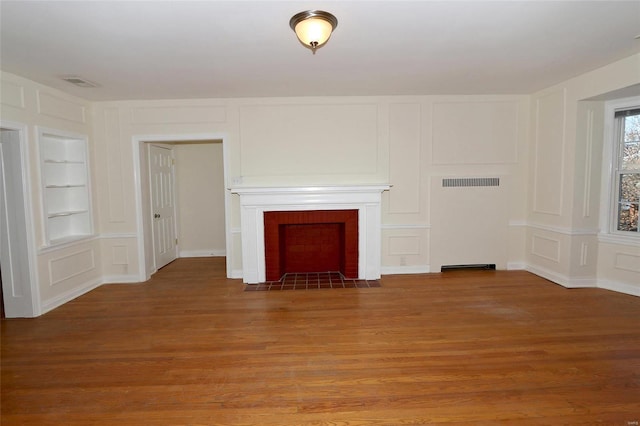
{"points": [[309, 189], [255, 201]]}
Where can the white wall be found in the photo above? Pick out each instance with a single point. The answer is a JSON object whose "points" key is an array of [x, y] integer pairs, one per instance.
{"points": [[200, 199], [543, 147], [67, 270], [410, 142], [425, 225], [564, 241], [122, 130]]}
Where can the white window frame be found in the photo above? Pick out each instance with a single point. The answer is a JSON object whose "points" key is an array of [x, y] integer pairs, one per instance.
{"points": [[609, 188]]}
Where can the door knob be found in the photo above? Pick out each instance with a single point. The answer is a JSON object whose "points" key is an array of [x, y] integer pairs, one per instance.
{"points": [[156, 216]]}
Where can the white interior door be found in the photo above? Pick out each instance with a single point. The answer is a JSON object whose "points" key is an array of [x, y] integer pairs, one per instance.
{"points": [[14, 254], [161, 178]]}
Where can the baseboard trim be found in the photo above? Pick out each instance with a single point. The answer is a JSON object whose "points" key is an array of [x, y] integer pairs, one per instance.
{"points": [[51, 304], [401, 270], [235, 274], [121, 279], [560, 279], [516, 266], [563, 280], [202, 253], [619, 287]]}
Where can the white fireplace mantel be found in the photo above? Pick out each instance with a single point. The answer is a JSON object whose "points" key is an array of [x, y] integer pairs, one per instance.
{"points": [[255, 201]]}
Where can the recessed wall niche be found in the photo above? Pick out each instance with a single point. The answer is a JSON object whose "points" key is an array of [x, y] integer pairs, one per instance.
{"points": [[66, 197]]}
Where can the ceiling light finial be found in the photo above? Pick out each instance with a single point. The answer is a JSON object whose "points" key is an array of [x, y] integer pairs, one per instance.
{"points": [[313, 27]]}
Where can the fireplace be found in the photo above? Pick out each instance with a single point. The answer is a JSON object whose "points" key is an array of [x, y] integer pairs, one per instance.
{"points": [[362, 202], [311, 241]]}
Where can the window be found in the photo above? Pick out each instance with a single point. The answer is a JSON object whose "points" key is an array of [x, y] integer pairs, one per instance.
{"points": [[626, 169]]}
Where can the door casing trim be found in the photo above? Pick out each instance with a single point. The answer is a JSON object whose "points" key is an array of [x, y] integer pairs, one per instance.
{"points": [[33, 285], [143, 226]]}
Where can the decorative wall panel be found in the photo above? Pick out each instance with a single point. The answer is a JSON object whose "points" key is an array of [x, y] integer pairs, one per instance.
{"points": [[303, 140], [12, 94], [71, 265], [549, 153], [178, 115], [404, 158], [404, 245], [547, 248], [475, 132], [586, 203], [115, 181], [627, 262], [58, 107], [584, 254], [120, 255]]}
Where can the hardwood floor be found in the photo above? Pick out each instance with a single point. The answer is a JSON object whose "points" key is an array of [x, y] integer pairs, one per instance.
{"points": [[190, 347]]}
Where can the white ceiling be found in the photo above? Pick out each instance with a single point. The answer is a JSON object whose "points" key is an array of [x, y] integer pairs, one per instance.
{"points": [[205, 49]]}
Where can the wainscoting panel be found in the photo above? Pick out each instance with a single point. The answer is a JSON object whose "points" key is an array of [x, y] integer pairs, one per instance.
{"points": [[584, 254], [71, 265], [627, 262], [405, 249], [405, 245], [546, 248], [120, 255], [619, 264]]}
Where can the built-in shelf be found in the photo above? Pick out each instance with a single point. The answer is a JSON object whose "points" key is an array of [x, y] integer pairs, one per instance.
{"points": [[66, 197], [69, 213], [63, 162]]}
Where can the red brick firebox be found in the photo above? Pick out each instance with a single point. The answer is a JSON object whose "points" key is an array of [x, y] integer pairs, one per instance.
{"points": [[311, 241]]}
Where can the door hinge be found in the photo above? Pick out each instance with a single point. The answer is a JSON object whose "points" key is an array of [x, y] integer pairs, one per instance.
{"points": [[173, 161], [176, 241]]}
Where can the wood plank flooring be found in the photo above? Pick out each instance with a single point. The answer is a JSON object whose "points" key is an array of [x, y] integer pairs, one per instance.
{"points": [[190, 347]]}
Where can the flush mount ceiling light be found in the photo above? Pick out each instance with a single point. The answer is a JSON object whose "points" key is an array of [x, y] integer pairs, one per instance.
{"points": [[313, 27]]}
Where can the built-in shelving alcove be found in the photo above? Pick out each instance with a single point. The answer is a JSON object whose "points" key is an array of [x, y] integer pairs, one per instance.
{"points": [[66, 197]]}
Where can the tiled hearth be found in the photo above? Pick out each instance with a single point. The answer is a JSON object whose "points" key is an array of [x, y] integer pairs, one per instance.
{"points": [[312, 281]]}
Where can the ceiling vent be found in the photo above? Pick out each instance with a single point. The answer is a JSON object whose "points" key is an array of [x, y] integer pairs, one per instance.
{"points": [[78, 81]]}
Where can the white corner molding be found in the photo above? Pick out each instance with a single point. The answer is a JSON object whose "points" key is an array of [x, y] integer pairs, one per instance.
{"points": [[255, 201]]}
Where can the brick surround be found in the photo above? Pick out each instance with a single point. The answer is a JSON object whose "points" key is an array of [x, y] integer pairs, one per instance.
{"points": [[311, 241]]}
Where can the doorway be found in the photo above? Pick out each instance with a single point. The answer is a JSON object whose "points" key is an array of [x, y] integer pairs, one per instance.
{"points": [[144, 210], [19, 293]]}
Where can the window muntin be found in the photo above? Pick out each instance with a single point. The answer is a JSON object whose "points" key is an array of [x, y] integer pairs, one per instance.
{"points": [[627, 170]]}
